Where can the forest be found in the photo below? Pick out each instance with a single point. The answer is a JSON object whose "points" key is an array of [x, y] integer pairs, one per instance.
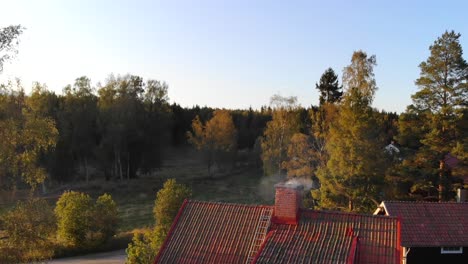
{"points": [[353, 155]]}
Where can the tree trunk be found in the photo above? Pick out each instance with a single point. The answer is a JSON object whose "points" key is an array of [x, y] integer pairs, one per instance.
{"points": [[128, 166], [118, 164], [114, 169], [86, 169], [119, 160], [44, 187], [442, 181]]}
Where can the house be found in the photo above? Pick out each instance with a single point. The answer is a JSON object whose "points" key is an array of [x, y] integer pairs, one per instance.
{"points": [[431, 232], [207, 232]]}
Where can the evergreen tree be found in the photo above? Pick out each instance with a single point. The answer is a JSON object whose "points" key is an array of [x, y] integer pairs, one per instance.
{"points": [[443, 98], [330, 90]]}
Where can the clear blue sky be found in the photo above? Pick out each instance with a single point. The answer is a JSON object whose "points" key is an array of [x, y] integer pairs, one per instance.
{"points": [[232, 54]]}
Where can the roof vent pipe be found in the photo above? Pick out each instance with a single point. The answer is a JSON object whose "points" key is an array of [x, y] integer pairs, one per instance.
{"points": [[462, 195]]}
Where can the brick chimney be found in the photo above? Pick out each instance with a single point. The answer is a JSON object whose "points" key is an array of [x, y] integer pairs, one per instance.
{"points": [[288, 200]]}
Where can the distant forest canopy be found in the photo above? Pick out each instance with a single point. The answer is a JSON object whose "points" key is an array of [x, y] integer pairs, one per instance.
{"points": [[122, 128]]}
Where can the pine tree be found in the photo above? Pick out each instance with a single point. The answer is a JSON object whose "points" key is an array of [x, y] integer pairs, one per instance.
{"points": [[330, 90], [443, 97]]}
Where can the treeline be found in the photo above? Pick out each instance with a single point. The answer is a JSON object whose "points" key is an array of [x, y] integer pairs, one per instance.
{"points": [[120, 128], [113, 131]]}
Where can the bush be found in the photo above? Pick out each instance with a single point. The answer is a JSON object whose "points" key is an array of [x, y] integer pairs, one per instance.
{"points": [[105, 219], [84, 224], [141, 249], [73, 211], [168, 202], [29, 230], [145, 246]]}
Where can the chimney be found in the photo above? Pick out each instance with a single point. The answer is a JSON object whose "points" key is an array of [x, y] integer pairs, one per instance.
{"points": [[288, 200], [462, 195]]}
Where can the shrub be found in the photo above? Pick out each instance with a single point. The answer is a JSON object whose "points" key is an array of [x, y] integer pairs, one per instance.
{"points": [[29, 230], [104, 218], [84, 224], [144, 247], [168, 202], [141, 249], [73, 211]]}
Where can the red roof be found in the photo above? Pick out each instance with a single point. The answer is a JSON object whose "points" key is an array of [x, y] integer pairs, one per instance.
{"points": [[327, 237], [431, 224], [205, 232]]}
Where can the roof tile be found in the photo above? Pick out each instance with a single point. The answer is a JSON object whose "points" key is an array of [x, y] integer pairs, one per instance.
{"points": [[205, 232], [326, 237], [431, 224]]}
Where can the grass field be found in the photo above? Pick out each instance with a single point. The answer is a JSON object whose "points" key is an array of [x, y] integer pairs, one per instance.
{"points": [[135, 198]]}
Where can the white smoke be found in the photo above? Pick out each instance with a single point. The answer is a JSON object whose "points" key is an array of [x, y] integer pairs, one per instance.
{"points": [[306, 183], [267, 186]]}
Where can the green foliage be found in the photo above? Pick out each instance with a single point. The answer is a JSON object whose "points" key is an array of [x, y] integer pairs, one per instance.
{"points": [[73, 211], [329, 87], [140, 250], [29, 229], [443, 85], [354, 175], [431, 127], [81, 223], [78, 121], [301, 160], [278, 133], [145, 246], [133, 123], [359, 81], [169, 199], [105, 219], [26, 135], [168, 202]]}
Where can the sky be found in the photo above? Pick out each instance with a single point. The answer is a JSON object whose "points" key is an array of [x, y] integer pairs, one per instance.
{"points": [[228, 54]]}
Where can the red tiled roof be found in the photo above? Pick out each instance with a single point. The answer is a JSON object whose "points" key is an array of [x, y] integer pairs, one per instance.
{"points": [[327, 237], [431, 224], [206, 232]]}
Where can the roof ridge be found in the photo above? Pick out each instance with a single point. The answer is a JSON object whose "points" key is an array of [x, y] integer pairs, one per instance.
{"points": [[230, 204], [425, 202], [348, 213]]}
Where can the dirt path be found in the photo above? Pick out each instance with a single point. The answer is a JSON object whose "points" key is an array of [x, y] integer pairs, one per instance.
{"points": [[114, 257]]}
